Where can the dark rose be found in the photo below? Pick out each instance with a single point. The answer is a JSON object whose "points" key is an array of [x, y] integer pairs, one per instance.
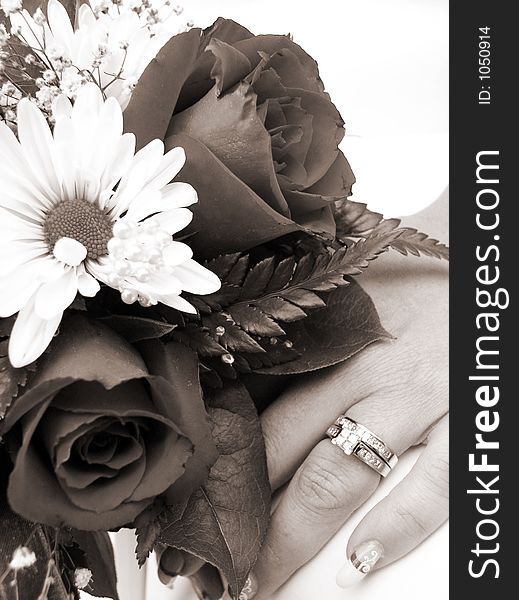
{"points": [[104, 430], [260, 133]]}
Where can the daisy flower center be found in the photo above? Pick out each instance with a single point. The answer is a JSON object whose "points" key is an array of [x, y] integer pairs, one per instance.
{"points": [[82, 221]]}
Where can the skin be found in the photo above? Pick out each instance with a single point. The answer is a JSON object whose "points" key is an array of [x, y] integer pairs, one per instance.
{"points": [[397, 389]]}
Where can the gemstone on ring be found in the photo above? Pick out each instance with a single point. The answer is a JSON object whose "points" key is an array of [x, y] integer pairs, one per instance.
{"points": [[354, 438]]}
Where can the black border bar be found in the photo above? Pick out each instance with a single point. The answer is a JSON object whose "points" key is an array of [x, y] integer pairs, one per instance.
{"points": [[484, 522]]}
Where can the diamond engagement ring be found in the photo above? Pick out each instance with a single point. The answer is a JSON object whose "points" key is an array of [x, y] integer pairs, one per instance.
{"points": [[358, 440]]}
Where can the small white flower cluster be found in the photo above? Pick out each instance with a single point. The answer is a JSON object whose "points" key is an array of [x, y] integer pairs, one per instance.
{"points": [[23, 557], [111, 44], [156, 15], [82, 578], [10, 6]]}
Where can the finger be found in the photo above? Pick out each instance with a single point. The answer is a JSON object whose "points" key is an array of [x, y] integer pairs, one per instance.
{"points": [[329, 486], [173, 562], [381, 383], [296, 422], [324, 491], [411, 512]]}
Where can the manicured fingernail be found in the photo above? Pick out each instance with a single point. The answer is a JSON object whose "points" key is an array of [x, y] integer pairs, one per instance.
{"points": [[361, 562], [167, 579], [250, 589]]}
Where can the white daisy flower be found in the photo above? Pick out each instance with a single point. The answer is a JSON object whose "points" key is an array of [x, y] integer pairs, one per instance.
{"points": [[78, 207], [110, 49]]}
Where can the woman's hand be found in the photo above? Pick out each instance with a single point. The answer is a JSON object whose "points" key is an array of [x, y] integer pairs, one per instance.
{"points": [[399, 390]]}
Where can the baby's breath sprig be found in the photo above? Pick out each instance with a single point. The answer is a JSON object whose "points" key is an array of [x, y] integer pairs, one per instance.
{"points": [[38, 59]]}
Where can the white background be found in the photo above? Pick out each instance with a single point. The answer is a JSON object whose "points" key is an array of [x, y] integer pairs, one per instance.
{"points": [[385, 64]]}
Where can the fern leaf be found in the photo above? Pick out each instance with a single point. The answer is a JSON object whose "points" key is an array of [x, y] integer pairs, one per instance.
{"points": [[412, 241]]}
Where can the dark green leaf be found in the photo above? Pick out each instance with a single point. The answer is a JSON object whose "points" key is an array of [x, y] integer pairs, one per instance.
{"points": [[5, 326], [223, 265], [257, 279], [347, 324], [136, 329], [354, 218], [225, 522], [234, 338], [282, 275], [146, 538], [10, 381], [199, 340], [99, 556], [304, 298], [411, 241], [254, 321], [280, 309]]}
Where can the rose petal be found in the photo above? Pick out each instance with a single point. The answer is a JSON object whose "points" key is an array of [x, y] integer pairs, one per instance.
{"points": [[105, 495], [179, 366], [199, 81], [320, 221], [230, 127], [154, 98], [224, 204], [307, 75], [51, 505], [230, 65]]}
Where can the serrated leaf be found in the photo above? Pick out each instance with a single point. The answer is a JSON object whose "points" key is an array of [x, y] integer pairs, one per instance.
{"points": [[330, 335], [257, 279], [223, 264], [225, 522], [238, 272], [254, 321], [198, 340], [146, 539], [303, 269], [10, 381], [280, 309], [282, 275], [354, 218], [304, 298], [275, 354], [412, 241], [234, 338]]}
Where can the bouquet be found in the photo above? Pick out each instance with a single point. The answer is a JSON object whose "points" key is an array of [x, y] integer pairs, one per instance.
{"points": [[177, 236]]}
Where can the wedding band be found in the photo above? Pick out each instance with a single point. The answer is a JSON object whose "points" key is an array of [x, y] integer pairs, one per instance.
{"points": [[355, 439]]}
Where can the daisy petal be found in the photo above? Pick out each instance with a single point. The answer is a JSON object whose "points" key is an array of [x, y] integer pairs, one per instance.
{"points": [[31, 335], [38, 146], [196, 279], [179, 194], [88, 285], [174, 220], [176, 254], [17, 287], [60, 25], [169, 166], [179, 303], [55, 296]]}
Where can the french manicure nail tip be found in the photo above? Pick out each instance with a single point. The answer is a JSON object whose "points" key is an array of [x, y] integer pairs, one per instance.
{"points": [[361, 562], [248, 591]]}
